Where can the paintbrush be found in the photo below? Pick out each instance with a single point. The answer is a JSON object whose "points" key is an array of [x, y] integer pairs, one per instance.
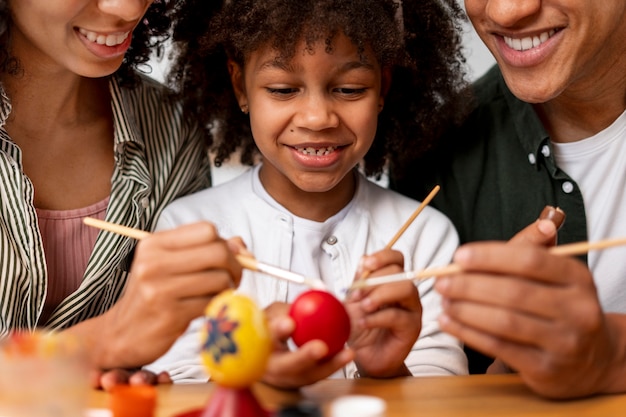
{"points": [[248, 262], [562, 250]]}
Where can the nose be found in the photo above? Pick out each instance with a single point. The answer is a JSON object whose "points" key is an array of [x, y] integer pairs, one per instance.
{"points": [[128, 10], [507, 13], [316, 112]]}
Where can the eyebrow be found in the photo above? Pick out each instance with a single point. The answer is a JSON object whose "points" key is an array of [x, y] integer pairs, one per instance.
{"points": [[288, 67]]}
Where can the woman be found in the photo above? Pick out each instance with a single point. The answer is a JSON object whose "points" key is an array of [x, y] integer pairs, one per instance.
{"points": [[82, 133]]}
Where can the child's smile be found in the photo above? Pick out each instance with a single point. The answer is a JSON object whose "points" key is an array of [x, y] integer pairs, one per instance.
{"points": [[313, 116]]}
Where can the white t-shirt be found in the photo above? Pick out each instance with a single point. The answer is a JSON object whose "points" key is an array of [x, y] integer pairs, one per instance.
{"points": [[598, 165]]}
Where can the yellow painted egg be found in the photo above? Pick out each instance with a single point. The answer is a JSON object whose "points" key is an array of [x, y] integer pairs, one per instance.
{"points": [[236, 341]]}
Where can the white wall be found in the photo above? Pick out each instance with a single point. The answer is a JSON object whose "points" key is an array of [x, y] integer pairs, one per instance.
{"points": [[479, 59]]}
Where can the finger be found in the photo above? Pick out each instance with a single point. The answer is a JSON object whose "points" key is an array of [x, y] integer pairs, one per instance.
{"points": [[399, 294], [237, 245], [525, 296], [276, 309], [142, 377], [304, 366], [502, 324], [281, 329], [95, 378], [385, 261], [153, 261], [164, 378], [185, 236], [187, 295], [537, 367], [554, 214], [145, 377], [526, 261], [395, 320], [114, 377], [202, 284], [543, 231], [487, 343]]}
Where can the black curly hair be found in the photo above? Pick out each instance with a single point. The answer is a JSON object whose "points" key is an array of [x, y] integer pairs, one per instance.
{"points": [[149, 37], [423, 48]]}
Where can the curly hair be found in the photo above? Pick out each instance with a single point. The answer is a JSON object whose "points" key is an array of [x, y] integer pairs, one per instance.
{"points": [[149, 37], [421, 44]]}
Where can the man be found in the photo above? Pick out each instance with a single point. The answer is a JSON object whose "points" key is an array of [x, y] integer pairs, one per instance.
{"points": [[549, 128]]}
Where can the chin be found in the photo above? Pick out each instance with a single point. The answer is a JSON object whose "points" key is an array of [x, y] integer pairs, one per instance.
{"points": [[530, 90], [99, 70]]}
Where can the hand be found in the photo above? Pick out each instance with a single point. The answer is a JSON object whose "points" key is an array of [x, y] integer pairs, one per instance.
{"points": [[174, 275], [106, 380], [294, 369], [386, 319], [538, 313]]}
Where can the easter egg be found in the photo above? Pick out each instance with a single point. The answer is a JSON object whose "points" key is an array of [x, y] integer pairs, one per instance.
{"points": [[236, 341], [320, 315]]}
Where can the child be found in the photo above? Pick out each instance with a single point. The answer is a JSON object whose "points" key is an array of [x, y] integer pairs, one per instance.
{"points": [[320, 86]]}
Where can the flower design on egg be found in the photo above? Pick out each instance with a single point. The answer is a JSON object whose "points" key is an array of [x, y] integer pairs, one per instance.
{"points": [[219, 335]]}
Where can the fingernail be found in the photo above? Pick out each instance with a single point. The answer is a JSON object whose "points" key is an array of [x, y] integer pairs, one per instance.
{"points": [[442, 283], [546, 227], [554, 214], [462, 254]]}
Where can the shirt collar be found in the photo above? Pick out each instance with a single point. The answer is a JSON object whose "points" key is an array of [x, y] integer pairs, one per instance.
{"points": [[5, 106], [532, 135], [125, 126]]}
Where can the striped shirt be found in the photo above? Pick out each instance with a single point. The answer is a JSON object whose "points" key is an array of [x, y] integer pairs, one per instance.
{"points": [[158, 156]]}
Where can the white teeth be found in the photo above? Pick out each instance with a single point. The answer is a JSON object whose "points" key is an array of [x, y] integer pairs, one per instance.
{"points": [[528, 42], [108, 40], [317, 151]]}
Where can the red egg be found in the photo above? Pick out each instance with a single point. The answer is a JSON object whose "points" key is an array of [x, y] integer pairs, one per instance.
{"points": [[320, 315]]}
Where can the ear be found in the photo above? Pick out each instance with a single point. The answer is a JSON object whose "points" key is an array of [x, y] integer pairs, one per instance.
{"points": [[237, 81], [385, 85]]}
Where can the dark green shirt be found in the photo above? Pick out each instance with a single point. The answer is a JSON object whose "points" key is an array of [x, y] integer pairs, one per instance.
{"points": [[496, 173]]}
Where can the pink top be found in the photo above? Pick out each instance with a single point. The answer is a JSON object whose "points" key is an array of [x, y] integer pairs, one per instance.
{"points": [[67, 243]]}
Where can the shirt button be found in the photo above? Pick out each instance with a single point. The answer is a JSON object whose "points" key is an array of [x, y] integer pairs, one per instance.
{"points": [[119, 148], [331, 240], [567, 187], [145, 202], [532, 159], [545, 151]]}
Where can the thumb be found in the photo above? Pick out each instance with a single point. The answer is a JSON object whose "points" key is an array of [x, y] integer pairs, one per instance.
{"points": [[544, 231]]}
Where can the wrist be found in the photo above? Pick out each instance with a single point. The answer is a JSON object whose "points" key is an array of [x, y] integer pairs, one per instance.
{"points": [[99, 344]]}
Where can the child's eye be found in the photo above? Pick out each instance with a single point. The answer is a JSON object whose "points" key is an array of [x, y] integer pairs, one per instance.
{"points": [[350, 91], [281, 91]]}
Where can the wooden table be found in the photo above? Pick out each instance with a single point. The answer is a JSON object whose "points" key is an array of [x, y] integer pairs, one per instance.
{"points": [[466, 396]]}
